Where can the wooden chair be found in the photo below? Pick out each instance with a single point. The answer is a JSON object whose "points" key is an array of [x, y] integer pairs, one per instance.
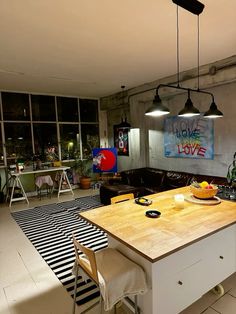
{"points": [[108, 268], [122, 198]]}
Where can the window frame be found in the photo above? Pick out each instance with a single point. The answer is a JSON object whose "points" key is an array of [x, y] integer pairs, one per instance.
{"points": [[57, 122]]}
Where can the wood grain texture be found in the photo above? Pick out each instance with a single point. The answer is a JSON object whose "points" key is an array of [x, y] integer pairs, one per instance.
{"points": [[175, 229]]}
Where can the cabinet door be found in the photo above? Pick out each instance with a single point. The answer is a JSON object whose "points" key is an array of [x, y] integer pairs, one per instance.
{"points": [[220, 255], [183, 277], [179, 279], [181, 289]]}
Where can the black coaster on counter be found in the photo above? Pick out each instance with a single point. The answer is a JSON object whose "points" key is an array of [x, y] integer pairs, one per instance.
{"points": [[153, 213]]}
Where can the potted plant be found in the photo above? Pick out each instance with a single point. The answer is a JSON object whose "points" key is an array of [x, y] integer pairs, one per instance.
{"points": [[84, 169]]}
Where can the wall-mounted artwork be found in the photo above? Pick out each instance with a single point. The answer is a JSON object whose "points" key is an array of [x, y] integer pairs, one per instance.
{"points": [[121, 140], [104, 160], [189, 137]]}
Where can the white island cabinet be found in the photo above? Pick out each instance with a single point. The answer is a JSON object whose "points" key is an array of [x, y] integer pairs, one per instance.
{"points": [[185, 253]]}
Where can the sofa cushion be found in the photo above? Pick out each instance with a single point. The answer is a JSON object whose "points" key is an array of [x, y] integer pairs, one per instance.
{"points": [[132, 177], [153, 178], [174, 180], [209, 179]]}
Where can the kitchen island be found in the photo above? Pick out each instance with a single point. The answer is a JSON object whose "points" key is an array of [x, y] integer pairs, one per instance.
{"points": [[185, 252]]}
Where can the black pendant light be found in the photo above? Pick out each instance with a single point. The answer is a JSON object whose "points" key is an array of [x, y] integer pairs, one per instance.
{"points": [[124, 123], [213, 112], [189, 110], [157, 109]]}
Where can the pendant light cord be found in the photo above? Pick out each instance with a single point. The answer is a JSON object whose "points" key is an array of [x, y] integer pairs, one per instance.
{"points": [[177, 42], [123, 103], [177, 49], [198, 52]]}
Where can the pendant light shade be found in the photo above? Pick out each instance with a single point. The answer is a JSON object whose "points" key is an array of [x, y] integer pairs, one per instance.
{"points": [[124, 124], [213, 112], [189, 110], [157, 109]]}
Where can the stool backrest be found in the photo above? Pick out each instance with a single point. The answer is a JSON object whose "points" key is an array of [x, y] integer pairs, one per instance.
{"points": [[122, 198], [88, 264]]}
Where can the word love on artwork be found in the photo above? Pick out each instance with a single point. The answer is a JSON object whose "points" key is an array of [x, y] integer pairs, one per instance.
{"points": [[188, 133], [188, 137], [191, 149]]}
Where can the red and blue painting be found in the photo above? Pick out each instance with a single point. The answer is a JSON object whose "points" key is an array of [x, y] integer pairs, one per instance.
{"points": [[104, 160]]}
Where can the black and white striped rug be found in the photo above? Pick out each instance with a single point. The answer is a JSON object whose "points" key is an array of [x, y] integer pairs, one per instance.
{"points": [[49, 228]]}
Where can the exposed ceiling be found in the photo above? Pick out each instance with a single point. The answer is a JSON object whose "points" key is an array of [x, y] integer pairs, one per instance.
{"points": [[90, 48]]}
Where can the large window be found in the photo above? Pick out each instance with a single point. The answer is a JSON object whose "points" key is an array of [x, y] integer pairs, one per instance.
{"points": [[36, 124], [1, 149], [88, 110], [67, 109], [43, 108], [18, 141], [45, 137], [70, 141], [90, 138], [15, 106]]}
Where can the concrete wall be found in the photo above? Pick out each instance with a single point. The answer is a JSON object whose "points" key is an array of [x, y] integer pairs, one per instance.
{"points": [[146, 140]]}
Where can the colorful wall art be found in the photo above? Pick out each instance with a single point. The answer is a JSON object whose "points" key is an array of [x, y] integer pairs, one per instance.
{"points": [[121, 140], [104, 160], [189, 137]]}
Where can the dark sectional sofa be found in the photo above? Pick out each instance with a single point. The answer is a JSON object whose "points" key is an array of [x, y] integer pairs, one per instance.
{"points": [[145, 181]]}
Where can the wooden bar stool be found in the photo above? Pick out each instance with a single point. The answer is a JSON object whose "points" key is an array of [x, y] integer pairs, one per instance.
{"points": [[115, 275], [122, 198]]}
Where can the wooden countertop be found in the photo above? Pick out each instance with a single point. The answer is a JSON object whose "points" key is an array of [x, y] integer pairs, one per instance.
{"points": [[155, 238]]}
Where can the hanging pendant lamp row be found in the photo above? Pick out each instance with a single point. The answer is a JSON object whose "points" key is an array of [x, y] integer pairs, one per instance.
{"points": [[158, 109]]}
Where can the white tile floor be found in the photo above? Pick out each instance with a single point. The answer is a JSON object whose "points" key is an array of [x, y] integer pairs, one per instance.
{"points": [[28, 286]]}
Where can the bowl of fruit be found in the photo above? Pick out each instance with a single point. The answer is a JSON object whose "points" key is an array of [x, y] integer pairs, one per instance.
{"points": [[203, 190]]}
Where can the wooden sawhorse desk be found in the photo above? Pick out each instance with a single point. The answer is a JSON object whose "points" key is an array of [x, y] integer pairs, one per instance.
{"points": [[15, 181]]}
